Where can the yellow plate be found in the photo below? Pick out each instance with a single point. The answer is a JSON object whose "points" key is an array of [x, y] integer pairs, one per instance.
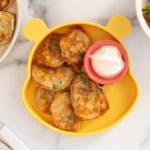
{"points": [[121, 96]]}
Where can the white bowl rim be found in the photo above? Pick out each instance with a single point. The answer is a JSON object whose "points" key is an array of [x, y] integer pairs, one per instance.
{"points": [[141, 19], [17, 28]]}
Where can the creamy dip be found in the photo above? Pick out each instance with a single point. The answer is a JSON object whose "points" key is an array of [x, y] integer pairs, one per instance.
{"points": [[107, 61]]}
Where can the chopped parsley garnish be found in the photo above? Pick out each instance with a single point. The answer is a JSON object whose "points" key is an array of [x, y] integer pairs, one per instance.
{"points": [[48, 94], [86, 82], [70, 117], [56, 86]]}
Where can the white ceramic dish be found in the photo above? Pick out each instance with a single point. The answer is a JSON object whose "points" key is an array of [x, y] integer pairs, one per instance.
{"points": [[6, 48], [139, 5]]}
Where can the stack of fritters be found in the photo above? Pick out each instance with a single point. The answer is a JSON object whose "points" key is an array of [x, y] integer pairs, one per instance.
{"points": [[63, 91]]}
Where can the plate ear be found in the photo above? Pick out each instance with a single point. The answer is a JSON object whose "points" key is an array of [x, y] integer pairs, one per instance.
{"points": [[119, 26], [35, 30]]}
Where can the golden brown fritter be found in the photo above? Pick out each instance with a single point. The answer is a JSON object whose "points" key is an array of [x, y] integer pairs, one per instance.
{"points": [[74, 44], [87, 99], [54, 79], [49, 53], [4, 4], [44, 98], [7, 25], [62, 111]]}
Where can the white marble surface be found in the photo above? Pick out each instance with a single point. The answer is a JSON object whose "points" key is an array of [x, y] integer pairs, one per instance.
{"points": [[133, 133]]}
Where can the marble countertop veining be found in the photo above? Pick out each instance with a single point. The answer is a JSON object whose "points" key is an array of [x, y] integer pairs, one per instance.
{"points": [[133, 133]]}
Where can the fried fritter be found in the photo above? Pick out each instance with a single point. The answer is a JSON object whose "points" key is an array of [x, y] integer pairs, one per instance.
{"points": [[87, 99], [7, 25], [43, 99], [74, 44], [4, 4], [62, 111], [54, 79], [49, 53]]}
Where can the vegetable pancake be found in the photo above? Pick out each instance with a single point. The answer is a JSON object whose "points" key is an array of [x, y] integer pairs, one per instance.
{"points": [[54, 79], [49, 53], [62, 111], [87, 99], [74, 44]]}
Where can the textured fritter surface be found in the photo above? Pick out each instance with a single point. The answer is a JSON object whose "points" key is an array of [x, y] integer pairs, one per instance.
{"points": [[74, 44], [54, 79], [44, 98], [87, 99], [62, 111], [49, 53], [7, 22]]}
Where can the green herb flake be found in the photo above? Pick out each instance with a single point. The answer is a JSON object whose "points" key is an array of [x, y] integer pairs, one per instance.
{"points": [[56, 86], [60, 82], [70, 117], [86, 82], [48, 94]]}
